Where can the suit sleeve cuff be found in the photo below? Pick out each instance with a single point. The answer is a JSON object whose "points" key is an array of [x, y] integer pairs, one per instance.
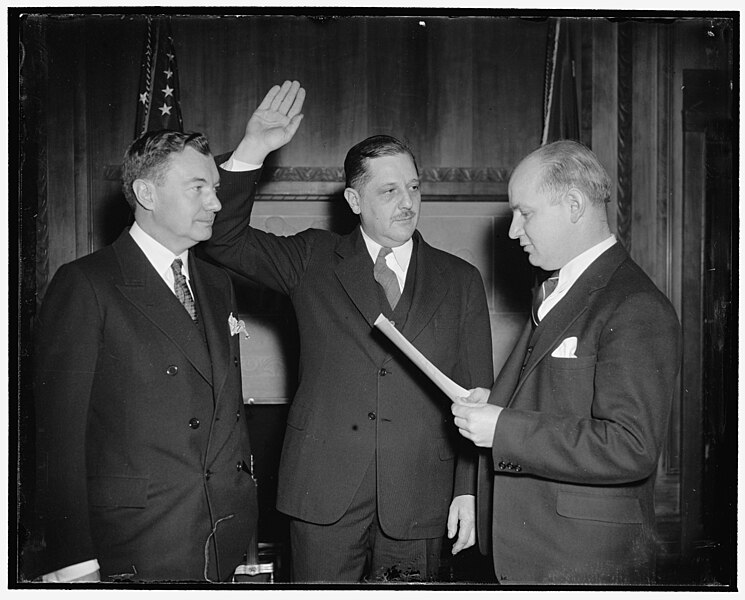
{"points": [[67, 574]]}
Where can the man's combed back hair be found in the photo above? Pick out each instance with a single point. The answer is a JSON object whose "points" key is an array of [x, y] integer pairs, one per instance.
{"points": [[355, 164], [568, 164], [147, 157]]}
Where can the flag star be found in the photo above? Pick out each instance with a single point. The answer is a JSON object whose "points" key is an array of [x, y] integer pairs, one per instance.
{"points": [[143, 97], [168, 73], [168, 91], [170, 56], [165, 110]]}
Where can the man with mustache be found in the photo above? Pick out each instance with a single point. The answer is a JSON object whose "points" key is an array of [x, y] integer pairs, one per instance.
{"points": [[372, 471]]}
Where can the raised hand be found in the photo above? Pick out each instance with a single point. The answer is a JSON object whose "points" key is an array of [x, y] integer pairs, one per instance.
{"points": [[273, 123]]}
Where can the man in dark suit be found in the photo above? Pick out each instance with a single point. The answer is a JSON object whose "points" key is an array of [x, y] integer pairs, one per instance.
{"points": [[578, 415], [144, 453], [368, 470]]}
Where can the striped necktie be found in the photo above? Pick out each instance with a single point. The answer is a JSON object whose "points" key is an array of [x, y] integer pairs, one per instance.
{"points": [[182, 290], [543, 292], [387, 278]]}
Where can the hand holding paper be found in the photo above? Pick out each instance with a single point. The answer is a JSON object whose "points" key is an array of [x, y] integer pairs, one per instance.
{"points": [[452, 390]]}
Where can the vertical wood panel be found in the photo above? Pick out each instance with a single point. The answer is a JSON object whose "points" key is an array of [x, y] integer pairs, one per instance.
{"points": [[605, 104], [397, 79], [450, 94], [644, 130], [60, 125], [509, 56], [694, 164], [81, 166], [665, 251], [113, 51]]}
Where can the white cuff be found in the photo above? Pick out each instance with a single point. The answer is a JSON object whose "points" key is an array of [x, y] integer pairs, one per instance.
{"points": [[67, 574], [236, 165]]}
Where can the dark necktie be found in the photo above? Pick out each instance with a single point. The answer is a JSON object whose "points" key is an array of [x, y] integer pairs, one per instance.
{"points": [[182, 290], [542, 293], [387, 278]]}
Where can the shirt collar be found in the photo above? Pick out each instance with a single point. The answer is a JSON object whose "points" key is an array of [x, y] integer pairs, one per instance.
{"points": [[571, 271], [159, 256], [402, 253]]}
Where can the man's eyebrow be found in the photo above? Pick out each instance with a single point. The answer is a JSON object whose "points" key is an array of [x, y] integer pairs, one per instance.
{"points": [[387, 184]]}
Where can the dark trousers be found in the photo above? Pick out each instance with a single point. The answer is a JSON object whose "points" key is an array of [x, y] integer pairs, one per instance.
{"points": [[355, 549]]}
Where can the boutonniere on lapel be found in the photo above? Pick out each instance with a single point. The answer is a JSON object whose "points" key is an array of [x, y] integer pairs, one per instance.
{"points": [[237, 326]]}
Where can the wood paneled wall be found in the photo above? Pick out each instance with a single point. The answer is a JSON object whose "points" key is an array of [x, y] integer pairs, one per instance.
{"points": [[465, 92]]}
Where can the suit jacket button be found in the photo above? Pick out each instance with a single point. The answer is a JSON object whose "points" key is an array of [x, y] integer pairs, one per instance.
{"points": [[172, 370], [235, 361], [501, 465], [518, 468], [238, 466], [382, 372], [371, 416], [194, 423]]}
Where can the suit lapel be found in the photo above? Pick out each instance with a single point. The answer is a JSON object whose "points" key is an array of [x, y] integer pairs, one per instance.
{"points": [[430, 289], [355, 273], [143, 287], [214, 309], [509, 375], [570, 308]]}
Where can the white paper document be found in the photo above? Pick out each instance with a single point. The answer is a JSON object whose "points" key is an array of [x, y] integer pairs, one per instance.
{"points": [[447, 385]]}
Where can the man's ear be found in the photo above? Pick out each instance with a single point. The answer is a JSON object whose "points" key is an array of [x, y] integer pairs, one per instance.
{"points": [[144, 191], [577, 203], [353, 199]]}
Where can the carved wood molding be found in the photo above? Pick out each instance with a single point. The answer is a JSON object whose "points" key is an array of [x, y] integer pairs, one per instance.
{"points": [[34, 60], [336, 174], [425, 197], [625, 133]]}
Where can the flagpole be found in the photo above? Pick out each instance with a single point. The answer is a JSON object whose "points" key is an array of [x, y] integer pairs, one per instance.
{"points": [[552, 79], [149, 61]]}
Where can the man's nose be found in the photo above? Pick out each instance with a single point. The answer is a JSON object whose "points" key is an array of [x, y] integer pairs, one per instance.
{"points": [[516, 227], [213, 202], [406, 200]]}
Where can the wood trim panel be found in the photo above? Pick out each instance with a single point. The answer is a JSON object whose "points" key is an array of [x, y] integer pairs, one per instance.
{"points": [[694, 165]]}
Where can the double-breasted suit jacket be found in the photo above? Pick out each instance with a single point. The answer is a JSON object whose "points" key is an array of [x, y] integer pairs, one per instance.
{"points": [[576, 448], [142, 443], [358, 398]]}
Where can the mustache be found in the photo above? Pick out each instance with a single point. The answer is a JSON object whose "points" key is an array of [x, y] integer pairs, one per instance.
{"points": [[405, 214]]}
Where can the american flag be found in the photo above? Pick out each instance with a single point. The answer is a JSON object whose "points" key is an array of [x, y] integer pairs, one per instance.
{"points": [[158, 105]]}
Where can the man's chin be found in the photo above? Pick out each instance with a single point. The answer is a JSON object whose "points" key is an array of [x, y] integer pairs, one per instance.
{"points": [[404, 230], [535, 261]]}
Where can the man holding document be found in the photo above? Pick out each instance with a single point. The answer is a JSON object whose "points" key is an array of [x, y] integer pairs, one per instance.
{"points": [[579, 413], [372, 469]]}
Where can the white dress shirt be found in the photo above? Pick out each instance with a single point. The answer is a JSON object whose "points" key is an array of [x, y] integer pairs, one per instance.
{"points": [[161, 257], [397, 260], [570, 273]]}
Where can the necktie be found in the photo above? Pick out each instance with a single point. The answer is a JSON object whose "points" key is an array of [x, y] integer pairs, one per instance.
{"points": [[182, 290], [542, 293], [387, 278]]}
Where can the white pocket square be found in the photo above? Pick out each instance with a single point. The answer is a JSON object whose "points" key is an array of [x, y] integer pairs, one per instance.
{"points": [[566, 349]]}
